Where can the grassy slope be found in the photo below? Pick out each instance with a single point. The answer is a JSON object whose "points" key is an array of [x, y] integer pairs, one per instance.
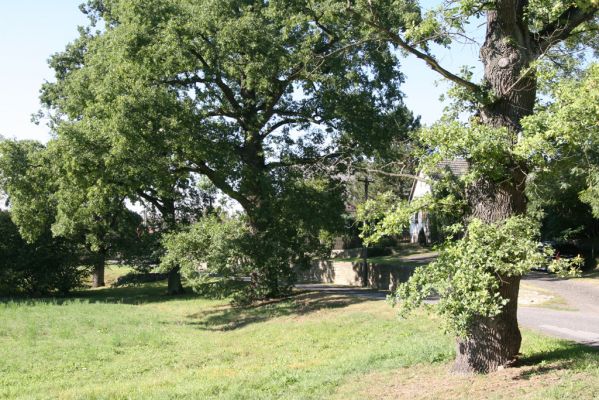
{"points": [[136, 343]]}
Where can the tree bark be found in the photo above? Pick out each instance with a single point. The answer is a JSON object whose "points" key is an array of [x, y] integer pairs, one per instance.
{"points": [[98, 273], [493, 342], [168, 211], [507, 55], [174, 282]]}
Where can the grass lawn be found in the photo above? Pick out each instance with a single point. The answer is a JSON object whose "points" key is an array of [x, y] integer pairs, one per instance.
{"points": [[137, 343]]}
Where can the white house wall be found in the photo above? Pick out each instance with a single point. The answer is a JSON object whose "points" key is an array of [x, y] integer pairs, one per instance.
{"points": [[419, 221]]}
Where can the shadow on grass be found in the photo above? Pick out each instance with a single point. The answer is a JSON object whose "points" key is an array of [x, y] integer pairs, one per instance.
{"points": [[226, 318], [566, 356], [213, 318], [139, 294]]}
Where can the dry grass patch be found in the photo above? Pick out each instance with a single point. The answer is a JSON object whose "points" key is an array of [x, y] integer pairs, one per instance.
{"points": [[437, 382], [533, 296]]}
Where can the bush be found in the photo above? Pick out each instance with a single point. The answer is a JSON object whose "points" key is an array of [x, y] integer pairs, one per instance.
{"points": [[210, 253], [220, 256], [136, 278], [48, 265]]}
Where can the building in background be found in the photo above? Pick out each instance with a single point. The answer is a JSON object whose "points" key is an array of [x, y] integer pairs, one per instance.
{"points": [[421, 221]]}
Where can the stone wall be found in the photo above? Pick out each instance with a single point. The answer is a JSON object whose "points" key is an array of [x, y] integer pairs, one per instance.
{"points": [[380, 276], [335, 272]]}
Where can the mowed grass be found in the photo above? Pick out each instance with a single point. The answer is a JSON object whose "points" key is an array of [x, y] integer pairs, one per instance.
{"points": [[137, 343]]}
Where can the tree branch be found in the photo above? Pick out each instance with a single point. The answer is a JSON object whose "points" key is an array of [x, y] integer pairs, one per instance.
{"points": [[190, 80], [227, 91], [152, 200], [302, 161], [429, 60], [281, 123], [562, 27], [394, 174], [221, 183]]}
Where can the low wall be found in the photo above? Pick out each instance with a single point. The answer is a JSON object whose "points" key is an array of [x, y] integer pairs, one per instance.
{"points": [[380, 276], [335, 272], [387, 277]]}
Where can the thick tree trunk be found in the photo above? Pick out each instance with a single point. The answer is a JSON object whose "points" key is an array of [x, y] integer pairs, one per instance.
{"points": [[175, 286], [98, 272], [174, 282], [507, 55], [493, 342]]}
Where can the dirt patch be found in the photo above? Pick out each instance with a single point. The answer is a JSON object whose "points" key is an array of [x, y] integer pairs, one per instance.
{"points": [[530, 297], [436, 382], [533, 296]]}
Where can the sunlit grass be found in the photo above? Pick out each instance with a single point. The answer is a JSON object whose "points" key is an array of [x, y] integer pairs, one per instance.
{"points": [[135, 342]]}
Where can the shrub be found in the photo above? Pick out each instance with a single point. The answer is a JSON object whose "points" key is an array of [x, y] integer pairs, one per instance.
{"points": [[46, 266]]}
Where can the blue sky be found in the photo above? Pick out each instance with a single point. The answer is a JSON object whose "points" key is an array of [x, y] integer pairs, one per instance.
{"points": [[32, 30]]}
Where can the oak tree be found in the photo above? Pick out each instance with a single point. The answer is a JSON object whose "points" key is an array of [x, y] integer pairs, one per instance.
{"points": [[249, 94], [521, 36]]}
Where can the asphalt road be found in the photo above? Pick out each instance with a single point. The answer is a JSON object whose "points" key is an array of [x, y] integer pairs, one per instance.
{"points": [[580, 324]]}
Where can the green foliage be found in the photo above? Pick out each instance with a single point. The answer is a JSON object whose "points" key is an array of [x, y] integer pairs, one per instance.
{"points": [[563, 138], [250, 95], [486, 149], [386, 215], [209, 250], [45, 193], [218, 252], [467, 273], [26, 177], [46, 265]]}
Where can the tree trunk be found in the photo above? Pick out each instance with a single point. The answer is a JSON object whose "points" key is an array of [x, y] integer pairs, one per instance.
{"points": [[98, 273], [507, 55], [174, 282], [493, 342]]}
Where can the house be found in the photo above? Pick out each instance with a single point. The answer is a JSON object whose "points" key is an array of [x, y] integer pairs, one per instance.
{"points": [[420, 222]]}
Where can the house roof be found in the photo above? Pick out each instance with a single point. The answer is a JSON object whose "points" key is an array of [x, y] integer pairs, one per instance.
{"points": [[458, 167]]}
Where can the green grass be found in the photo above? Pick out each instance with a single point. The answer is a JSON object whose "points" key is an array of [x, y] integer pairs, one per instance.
{"points": [[136, 343]]}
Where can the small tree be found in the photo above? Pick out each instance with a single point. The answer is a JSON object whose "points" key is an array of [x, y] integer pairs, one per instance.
{"points": [[43, 197]]}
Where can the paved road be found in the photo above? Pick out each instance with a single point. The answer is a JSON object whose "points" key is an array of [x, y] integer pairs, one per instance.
{"points": [[581, 324]]}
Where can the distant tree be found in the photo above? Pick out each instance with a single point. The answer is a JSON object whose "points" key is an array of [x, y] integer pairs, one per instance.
{"points": [[43, 197], [107, 173], [251, 95], [47, 265]]}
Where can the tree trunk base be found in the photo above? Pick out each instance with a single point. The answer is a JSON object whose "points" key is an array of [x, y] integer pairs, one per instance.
{"points": [[175, 286], [98, 276], [493, 343]]}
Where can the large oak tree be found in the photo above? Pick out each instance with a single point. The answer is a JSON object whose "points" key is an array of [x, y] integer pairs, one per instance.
{"points": [[521, 36], [246, 93]]}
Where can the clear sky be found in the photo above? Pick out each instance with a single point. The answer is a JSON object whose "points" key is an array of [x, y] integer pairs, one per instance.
{"points": [[32, 30]]}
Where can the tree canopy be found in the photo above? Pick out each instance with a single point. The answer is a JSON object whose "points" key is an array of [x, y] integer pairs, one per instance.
{"points": [[251, 95]]}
